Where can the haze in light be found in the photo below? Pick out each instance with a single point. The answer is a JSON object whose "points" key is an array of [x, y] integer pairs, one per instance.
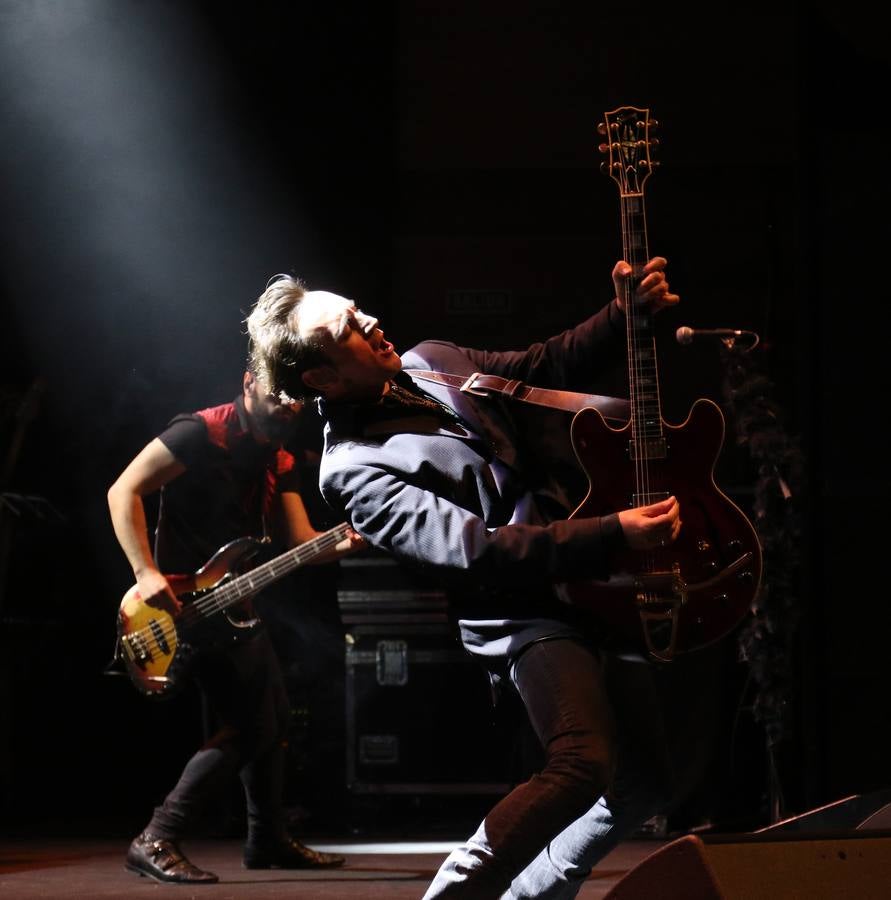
{"points": [[138, 216]]}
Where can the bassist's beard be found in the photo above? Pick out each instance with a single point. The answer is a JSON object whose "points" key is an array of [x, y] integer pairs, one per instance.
{"points": [[277, 427]]}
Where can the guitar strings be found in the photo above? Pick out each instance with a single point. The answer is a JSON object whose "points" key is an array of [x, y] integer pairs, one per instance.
{"points": [[643, 378], [151, 637], [223, 596]]}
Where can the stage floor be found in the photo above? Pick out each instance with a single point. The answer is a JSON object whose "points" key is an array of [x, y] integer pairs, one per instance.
{"points": [[94, 868]]}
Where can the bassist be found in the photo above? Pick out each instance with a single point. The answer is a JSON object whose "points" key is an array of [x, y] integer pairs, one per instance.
{"points": [[222, 474]]}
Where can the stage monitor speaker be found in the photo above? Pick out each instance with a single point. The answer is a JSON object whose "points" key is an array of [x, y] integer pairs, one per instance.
{"points": [[863, 811], [880, 819], [848, 866]]}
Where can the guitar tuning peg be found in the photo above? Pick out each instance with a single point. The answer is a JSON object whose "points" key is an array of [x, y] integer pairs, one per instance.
{"points": [[654, 125], [604, 167], [603, 148], [601, 128], [654, 142]]}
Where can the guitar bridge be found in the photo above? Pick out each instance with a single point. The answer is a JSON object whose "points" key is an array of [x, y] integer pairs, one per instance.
{"points": [[136, 648], [648, 498], [654, 588]]}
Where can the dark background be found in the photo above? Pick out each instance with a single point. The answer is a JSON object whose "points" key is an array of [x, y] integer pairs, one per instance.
{"points": [[162, 160]]}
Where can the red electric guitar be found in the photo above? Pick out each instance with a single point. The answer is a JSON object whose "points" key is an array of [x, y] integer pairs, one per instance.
{"points": [[697, 589]]}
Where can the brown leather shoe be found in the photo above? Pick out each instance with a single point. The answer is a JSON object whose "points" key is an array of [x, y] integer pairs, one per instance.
{"points": [[289, 854], [164, 861]]}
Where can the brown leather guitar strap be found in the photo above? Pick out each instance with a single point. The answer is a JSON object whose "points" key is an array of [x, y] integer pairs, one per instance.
{"points": [[613, 409]]}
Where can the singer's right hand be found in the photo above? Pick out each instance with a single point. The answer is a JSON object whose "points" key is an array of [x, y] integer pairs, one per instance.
{"points": [[651, 526]]}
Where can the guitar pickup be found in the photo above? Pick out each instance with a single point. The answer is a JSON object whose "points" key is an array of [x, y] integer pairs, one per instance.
{"points": [[160, 637], [651, 448]]}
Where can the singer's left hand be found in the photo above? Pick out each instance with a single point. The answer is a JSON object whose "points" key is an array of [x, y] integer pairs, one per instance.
{"points": [[653, 288]]}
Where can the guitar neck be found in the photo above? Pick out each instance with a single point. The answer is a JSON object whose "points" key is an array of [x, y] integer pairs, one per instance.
{"points": [[263, 575], [643, 372], [628, 144]]}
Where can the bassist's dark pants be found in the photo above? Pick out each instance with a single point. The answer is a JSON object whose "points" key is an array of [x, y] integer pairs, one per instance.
{"points": [[245, 693]]}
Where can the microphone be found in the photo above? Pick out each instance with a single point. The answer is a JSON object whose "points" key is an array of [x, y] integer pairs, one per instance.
{"points": [[686, 335]]}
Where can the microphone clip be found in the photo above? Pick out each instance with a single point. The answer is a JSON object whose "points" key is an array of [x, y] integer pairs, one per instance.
{"points": [[727, 336]]}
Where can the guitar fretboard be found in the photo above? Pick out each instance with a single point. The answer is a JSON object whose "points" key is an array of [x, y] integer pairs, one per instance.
{"points": [[628, 144], [255, 580], [643, 375]]}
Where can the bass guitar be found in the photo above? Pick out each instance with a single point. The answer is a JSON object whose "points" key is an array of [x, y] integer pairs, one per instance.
{"points": [[156, 647], [696, 590]]}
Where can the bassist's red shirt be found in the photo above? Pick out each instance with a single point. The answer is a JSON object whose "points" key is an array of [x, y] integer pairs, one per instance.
{"points": [[228, 490]]}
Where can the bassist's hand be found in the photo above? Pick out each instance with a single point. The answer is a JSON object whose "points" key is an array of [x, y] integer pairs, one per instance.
{"points": [[352, 543], [653, 286], [653, 526], [155, 590]]}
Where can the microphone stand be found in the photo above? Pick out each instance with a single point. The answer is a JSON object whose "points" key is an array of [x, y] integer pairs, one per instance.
{"points": [[767, 641]]}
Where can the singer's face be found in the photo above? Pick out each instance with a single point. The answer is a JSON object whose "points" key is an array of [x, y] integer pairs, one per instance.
{"points": [[361, 360]]}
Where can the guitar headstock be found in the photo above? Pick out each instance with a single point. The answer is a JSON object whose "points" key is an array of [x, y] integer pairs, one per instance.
{"points": [[629, 145]]}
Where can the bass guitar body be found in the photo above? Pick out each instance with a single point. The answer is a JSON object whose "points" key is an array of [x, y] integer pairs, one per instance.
{"points": [[157, 647], [694, 591]]}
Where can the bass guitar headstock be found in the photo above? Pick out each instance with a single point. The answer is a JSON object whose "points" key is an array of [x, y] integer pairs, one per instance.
{"points": [[629, 146]]}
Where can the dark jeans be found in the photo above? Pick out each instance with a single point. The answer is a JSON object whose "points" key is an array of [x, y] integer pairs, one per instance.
{"points": [[605, 772], [245, 694]]}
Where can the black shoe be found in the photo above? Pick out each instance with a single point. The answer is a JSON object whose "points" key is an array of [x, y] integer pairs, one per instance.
{"points": [[164, 861], [289, 854]]}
